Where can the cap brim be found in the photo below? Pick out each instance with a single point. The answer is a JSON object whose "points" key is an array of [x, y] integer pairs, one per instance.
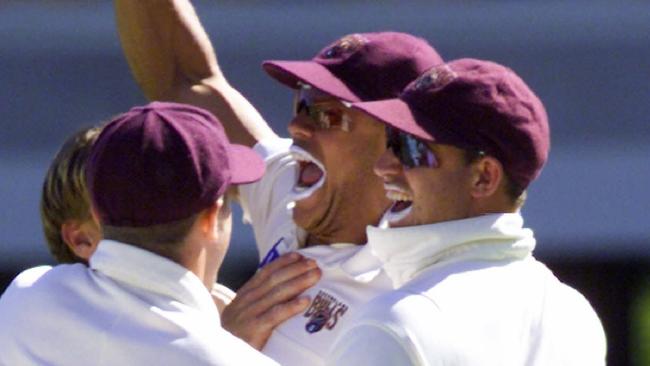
{"points": [[290, 73], [397, 114], [246, 166]]}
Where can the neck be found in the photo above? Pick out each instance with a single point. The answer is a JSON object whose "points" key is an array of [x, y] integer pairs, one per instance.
{"points": [[347, 226], [345, 216], [195, 257]]}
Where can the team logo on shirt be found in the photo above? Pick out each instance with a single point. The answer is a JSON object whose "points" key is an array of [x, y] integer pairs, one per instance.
{"points": [[324, 312]]}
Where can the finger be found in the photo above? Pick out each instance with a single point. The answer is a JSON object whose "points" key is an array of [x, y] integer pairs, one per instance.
{"points": [[281, 312], [284, 292], [264, 325], [278, 279], [269, 269]]}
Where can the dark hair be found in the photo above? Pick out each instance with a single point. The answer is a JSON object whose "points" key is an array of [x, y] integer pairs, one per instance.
{"points": [[163, 239]]}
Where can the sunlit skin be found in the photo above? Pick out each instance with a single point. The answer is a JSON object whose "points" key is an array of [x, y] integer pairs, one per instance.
{"points": [[352, 196], [224, 228]]}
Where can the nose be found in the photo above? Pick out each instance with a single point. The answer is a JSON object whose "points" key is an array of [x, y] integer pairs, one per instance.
{"points": [[387, 164], [300, 127]]}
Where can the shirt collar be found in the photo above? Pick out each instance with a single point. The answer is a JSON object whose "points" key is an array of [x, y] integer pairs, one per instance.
{"points": [[407, 251], [356, 261], [152, 273]]}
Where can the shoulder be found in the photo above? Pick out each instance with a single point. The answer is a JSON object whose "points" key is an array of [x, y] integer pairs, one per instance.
{"points": [[585, 338], [388, 330], [29, 276], [42, 282]]}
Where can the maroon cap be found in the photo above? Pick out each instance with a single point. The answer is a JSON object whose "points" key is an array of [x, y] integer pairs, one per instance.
{"points": [[164, 162], [360, 67], [474, 104]]}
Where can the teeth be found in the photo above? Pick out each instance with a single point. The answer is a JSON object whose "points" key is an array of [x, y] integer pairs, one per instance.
{"points": [[301, 155], [395, 193], [398, 196]]}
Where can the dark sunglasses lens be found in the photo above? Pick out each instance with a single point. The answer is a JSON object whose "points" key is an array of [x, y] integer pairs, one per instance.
{"points": [[301, 102], [410, 151], [299, 106], [396, 141], [321, 117]]}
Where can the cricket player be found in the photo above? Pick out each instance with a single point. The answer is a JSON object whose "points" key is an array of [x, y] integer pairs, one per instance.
{"points": [[72, 234], [158, 177], [319, 192], [464, 142]]}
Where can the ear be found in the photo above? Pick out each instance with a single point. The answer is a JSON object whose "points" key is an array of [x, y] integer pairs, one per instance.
{"points": [[81, 236], [209, 219], [488, 175]]}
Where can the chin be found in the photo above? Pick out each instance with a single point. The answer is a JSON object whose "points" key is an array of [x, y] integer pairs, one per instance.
{"points": [[307, 212]]}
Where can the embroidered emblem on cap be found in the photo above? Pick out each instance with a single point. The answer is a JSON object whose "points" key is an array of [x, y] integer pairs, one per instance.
{"points": [[324, 312], [436, 78], [345, 46]]}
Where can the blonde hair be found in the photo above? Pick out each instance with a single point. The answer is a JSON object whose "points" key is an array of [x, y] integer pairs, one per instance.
{"points": [[64, 195]]}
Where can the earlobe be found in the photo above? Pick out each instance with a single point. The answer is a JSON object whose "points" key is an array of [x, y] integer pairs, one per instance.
{"points": [[488, 175], [81, 237]]}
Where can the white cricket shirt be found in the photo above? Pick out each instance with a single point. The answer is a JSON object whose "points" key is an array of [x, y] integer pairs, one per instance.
{"points": [[129, 307], [265, 202], [469, 293], [351, 274]]}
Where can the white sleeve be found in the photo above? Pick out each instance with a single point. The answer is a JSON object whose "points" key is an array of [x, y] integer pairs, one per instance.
{"points": [[372, 344], [265, 202], [222, 296]]}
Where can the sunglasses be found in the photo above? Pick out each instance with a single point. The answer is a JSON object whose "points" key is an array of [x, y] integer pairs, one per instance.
{"points": [[409, 150], [322, 116]]}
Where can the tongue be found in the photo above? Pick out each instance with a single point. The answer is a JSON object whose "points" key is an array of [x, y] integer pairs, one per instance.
{"points": [[310, 173], [400, 206]]}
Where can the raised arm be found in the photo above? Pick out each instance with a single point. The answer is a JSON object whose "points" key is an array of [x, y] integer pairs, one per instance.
{"points": [[171, 58]]}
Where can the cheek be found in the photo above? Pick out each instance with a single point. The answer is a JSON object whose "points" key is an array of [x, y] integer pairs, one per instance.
{"points": [[438, 192]]}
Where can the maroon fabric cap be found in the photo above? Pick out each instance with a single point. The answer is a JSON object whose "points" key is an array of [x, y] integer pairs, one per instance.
{"points": [[164, 162], [474, 104], [360, 67]]}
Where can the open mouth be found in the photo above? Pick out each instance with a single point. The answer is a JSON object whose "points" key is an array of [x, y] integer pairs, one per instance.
{"points": [[308, 174], [311, 173], [401, 207]]}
